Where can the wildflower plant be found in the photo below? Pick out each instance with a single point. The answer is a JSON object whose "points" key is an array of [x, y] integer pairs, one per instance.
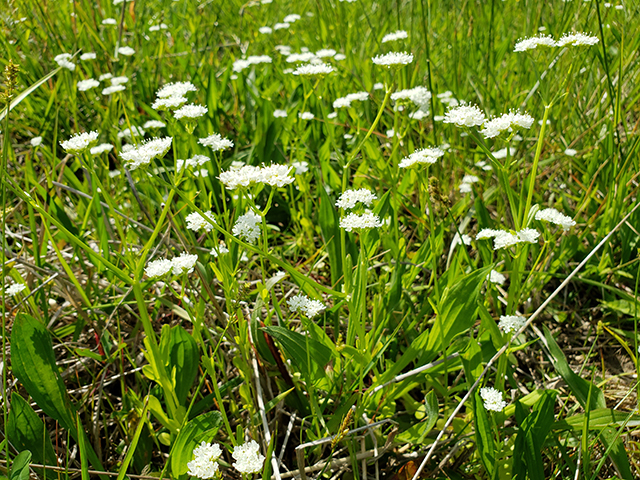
{"points": [[328, 227]]}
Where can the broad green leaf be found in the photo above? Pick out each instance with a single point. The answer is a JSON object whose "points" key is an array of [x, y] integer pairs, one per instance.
{"points": [[484, 435], [184, 356], [26, 431], [456, 311], [295, 344], [431, 413], [34, 363], [20, 466], [535, 428], [202, 428], [598, 419]]}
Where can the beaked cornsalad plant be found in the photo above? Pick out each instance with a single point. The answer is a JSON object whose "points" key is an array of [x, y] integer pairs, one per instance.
{"points": [[322, 239]]}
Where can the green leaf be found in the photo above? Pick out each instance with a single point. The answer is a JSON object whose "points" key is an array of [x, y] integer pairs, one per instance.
{"points": [[295, 344], [431, 413], [184, 356], [329, 226], [202, 428], [535, 428], [20, 466], [34, 363], [484, 436], [134, 443], [457, 310], [26, 431], [598, 419]]}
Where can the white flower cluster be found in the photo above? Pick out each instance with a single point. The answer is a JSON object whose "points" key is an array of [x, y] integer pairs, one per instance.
{"points": [[311, 70], [190, 112], [102, 148], [419, 95], [126, 51], [195, 221], [511, 323], [280, 113], [248, 226], [575, 39], [305, 115], [14, 289], [80, 142], [240, 64], [354, 221], [195, 161], [275, 175], [64, 60], [393, 59], [154, 124], [350, 198], [424, 155], [248, 458], [216, 142], [467, 181], [448, 99], [464, 116], [502, 238], [180, 264], [554, 216], [205, 463], [492, 399], [301, 167], [172, 95], [127, 133], [84, 85], [326, 52], [302, 303], [391, 37], [506, 122], [147, 151], [496, 277], [36, 141], [88, 56]]}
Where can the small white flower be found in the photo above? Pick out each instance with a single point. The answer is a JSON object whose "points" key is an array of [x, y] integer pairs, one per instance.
{"points": [[577, 39], [502, 153], [158, 268], [84, 85], [102, 148], [464, 116], [128, 133], [105, 76], [554, 216], [301, 167], [14, 289], [119, 80], [36, 141], [265, 30], [126, 51], [113, 89], [291, 18], [216, 142], [305, 115], [360, 222], [496, 277], [64, 60], [506, 122], [190, 111], [393, 59], [109, 21], [492, 399], [154, 124], [302, 303], [325, 52], [79, 142], [169, 103], [511, 323], [184, 263], [422, 156], [205, 462], [87, 56], [195, 221], [350, 198], [533, 42], [398, 35], [570, 152], [177, 89], [320, 69], [280, 113], [247, 227], [248, 458], [146, 152]]}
